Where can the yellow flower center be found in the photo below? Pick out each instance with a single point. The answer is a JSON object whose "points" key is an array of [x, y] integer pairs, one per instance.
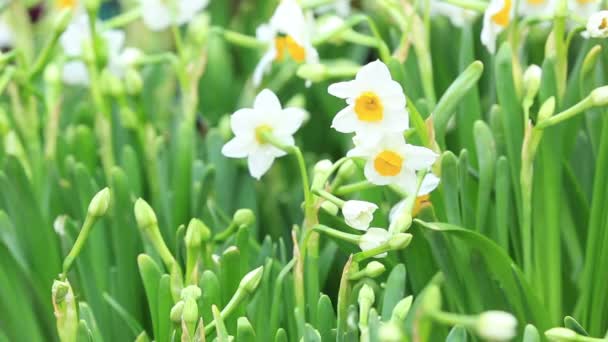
{"points": [[388, 163], [368, 107], [603, 24], [421, 202], [536, 2], [584, 2], [67, 3], [501, 17], [288, 46], [260, 131]]}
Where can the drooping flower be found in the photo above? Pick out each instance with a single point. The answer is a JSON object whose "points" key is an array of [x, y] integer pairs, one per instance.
{"points": [[457, 15], [249, 126], [376, 103], [495, 19], [496, 326], [597, 25], [390, 160], [159, 15], [429, 183], [536, 7], [288, 35], [374, 237], [584, 8], [358, 214]]}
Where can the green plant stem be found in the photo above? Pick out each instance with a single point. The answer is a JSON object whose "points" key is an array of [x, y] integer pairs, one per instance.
{"points": [[449, 318], [330, 197], [478, 6], [354, 187], [239, 39], [123, 19], [87, 226], [578, 108]]}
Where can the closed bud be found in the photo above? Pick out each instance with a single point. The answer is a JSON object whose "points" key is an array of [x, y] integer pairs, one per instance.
{"points": [[532, 77], [190, 311], [110, 84], [194, 233], [316, 72], [366, 296], [322, 167], [52, 74], [100, 203], [547, 109], [252, 279], [176, 312], [374, 269], [92, 6], [496, 326], [243, 217], [347, 169], [133, 82], [400, 241], [330, 208], [144, 215], [402, 308], [561, 335], [198, 29], [191, 292], [60, 290], [599, 96], [391, 332]]}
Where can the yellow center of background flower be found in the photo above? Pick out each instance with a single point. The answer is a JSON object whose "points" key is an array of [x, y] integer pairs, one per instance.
{"points": [[67, 3], [388, 163], [421, 201], [368, 107], [603, 24], [536, 2], [584, 2], [502, 17], [288, 46], [260, 131]]}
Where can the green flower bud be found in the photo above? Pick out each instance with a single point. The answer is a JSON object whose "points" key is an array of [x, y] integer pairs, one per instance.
{"points": [[198, 29], [347, 169], [60, 290], [330, 208], [176, 312], [144, 215], [599, 96], [400, 241], [100, 203], [252, 279], [531, 80], [191, 292], [366, 296], [190, 311], [196, 233], [561, 334], [52, 74], [374, 269], [65, 307], [323, 166], [110, 84], [243, 217], [92, 6], [316, 72], [133, 82], [547, 109], [496, 326], [402, 308]]}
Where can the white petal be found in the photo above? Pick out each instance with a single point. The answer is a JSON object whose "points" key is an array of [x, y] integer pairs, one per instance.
{"points": [[259, 162], [430, 182], [6, 35], [418, 157], [290, 120], [115, 39], [263, 66], [155, 14], [75, 35], [286, 140], [396, 120], [187, 9], [237, 147], [345, 121], [358, 214], [244, 121], [75, 73], [374, 73], [374, 237], [343, 90], [408, 182], [396, 210], [391, 94], [267, 102]]}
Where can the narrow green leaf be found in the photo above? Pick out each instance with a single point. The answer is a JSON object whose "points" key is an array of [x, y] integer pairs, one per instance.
{"points": [[394, 291]]}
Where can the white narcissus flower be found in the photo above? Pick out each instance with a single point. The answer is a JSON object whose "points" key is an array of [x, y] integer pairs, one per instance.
{"points": [[358, 214], [536, 7], [249, 125], [159, 14], [430, 182], [457, 15], [495, 19], [376, 103], [390, 160], [584, 8], [374, 237], [288, 35], [597, 25], [496, 326]]}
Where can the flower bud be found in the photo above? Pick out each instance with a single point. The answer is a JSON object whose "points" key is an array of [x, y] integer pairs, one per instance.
{"points": [[546, 110], [314, 72], [196, 233], [191, 292], [400, 241], [366, 296], [92, 6], [402, 308], [133, 82], [561, 334], [52, 74], [323, 166], [144, 215], [496, 326], [176, 312], [190, 311], [599, 96], [243, 217], [374, 269], [532, 77], [66, 314], [100, 203], [252, 279], [110, 84], [391, 332], [330, 208], [347, 169]]}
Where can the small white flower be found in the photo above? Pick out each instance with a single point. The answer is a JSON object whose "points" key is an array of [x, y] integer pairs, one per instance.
{"points": [[495, 19], [376, 103], [430, 182], [358, 214], [374, 237], [390, 160], [249, 124], [159, 15], [6, 36], [597, 25], [584, 8], [536, 7], [288, 34], [496, 326], [457, 15]]}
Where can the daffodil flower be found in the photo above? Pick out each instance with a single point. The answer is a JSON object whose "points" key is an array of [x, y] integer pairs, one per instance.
{"points": [[597, 25], [249, 126], [496, 326], [429, 183], [390, 160], [288, 35], [536, 7], [497, 17], [457, 15], [358, 214], [376, 103], [160, 14], [584, 8], [373, 238]]}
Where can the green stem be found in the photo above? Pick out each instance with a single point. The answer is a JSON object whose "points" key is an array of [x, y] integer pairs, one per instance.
{"points": [[123, 19], [87, 226], [351, 238], [239, 39], [478, 6], [578, 108], [330, 197], [449, 318], [354, 187]]}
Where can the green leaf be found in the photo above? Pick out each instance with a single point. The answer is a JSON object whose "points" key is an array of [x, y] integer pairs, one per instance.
{"points": [[457, 334], [486, 152], [244, 331], [394, 291], [327, 318], [531, 334], [572, 324], [150, 275]]}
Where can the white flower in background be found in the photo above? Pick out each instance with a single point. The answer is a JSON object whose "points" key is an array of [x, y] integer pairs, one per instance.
{"points": [[457, 15], [430, 182], [288, 35], [340, 7], [160, 14], [374, 237], [6, 35], [376, 103], [390, 160], [496, 326], [249, 125], [496, 18], [597, 25], [358, 214], [536, 7], [584, 8]]}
